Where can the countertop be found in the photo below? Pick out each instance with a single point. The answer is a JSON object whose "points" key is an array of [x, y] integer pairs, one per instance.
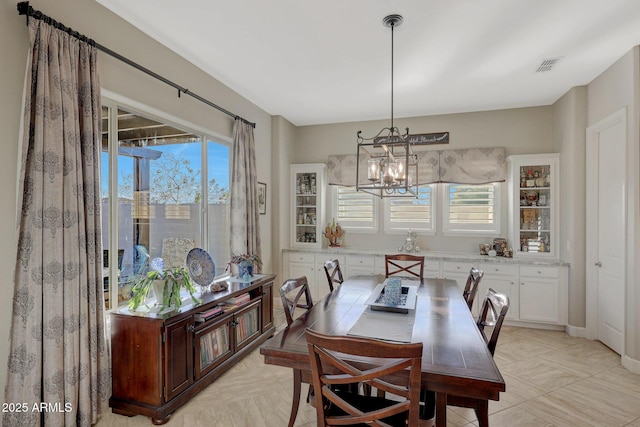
{"points": [[437, 256]]}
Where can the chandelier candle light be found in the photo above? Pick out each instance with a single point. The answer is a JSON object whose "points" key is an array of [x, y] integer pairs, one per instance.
{"points": [[392, 166]]}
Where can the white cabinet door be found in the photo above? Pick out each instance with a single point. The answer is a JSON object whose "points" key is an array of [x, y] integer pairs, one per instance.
{"points": [[539, 300], [540, 294], [298, 264]]}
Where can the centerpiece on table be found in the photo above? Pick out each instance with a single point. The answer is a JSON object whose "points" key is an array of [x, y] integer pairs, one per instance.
{"points": [[246, 263], [166, 284]]}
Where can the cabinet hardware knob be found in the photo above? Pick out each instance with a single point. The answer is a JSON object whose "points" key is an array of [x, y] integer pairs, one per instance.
{"points": [[598, 264], [191, 328], [521, 283]]}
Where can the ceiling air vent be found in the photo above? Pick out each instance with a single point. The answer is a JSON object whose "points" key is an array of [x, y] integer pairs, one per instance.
{"points": [[548, 64]]}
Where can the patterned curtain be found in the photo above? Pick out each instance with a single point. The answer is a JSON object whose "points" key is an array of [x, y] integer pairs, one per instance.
{"points": [[245, 215], [473, 165], [59, 354], [462, 166]]}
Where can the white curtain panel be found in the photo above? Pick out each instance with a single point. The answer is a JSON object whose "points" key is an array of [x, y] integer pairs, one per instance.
{"points": [[58, 351], [245, 213]]}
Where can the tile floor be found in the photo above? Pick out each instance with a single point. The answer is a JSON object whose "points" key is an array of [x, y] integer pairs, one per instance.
{"points": [[552, 380]]}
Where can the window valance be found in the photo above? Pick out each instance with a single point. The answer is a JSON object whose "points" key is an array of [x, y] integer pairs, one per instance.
{"points": [[462, 166]]}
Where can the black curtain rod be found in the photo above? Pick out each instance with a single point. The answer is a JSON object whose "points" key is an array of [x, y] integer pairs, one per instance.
{"points": [[25, 9]]}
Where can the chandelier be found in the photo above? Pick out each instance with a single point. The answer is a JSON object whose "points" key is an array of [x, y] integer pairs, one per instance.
{"points": [[392, 166]]}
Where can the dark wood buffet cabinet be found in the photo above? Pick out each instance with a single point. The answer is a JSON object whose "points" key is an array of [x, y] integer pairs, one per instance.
{"points": [[159, 361]]}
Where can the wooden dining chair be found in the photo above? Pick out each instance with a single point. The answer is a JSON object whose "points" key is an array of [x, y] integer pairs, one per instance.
{"points": [[292, 292], [494, 309], [334, 373], [333, 272], [471, 287], [406, 264]]}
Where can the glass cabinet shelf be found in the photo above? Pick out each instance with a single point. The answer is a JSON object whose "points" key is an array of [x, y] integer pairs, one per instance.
{"points": [[534, 204], [307, 189]]}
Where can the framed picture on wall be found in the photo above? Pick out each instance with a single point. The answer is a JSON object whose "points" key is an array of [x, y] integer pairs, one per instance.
{"points": [[262, 198]]}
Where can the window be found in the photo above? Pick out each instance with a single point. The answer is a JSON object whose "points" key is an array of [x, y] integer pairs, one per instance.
{"points": [[355, 210], [404, 213], [159, 198], [471, 209]]}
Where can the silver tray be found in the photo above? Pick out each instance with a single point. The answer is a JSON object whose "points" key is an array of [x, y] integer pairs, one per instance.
{"points": [[408, 299]]}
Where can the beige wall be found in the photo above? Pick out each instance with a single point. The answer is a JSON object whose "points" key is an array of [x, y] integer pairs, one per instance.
{"points": [[93, 20], [283, 142], [569, 124], [522, 130]]}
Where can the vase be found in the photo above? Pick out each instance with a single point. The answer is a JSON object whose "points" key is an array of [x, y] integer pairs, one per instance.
{"points": [[245, 270], [158, 291]]}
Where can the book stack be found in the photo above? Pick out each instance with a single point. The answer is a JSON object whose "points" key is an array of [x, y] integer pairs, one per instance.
{"points": [[203, 316], [237, 300], [213, 345]]}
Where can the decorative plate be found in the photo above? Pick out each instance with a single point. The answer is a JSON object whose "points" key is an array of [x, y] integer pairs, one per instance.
{"points": [[201, 267]]}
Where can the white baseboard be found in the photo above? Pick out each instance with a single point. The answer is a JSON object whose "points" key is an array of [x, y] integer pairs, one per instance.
{"points": [[632, 365], [577, 331]]}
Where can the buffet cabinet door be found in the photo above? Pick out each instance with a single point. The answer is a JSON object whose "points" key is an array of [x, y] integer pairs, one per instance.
{"points": [[178, 356]]}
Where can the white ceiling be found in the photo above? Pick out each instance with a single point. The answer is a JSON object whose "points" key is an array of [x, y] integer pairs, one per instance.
{"points": [[329, 61]]}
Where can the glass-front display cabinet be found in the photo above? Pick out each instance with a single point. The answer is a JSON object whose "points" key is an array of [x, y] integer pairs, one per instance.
{"points": [[307, 202], [534, 204]]}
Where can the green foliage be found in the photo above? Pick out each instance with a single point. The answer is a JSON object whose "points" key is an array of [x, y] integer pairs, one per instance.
{"points": [[174, 280]]}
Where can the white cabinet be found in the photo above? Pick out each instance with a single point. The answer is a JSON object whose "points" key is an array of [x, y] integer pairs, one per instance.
{"points": [[501, 278], [534, 205], [307, 202], [298, 264], [537, 290], [543, 294], [359, 264], [458, 271]]}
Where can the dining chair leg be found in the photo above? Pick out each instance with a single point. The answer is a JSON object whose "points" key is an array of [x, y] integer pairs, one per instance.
{"points": [[297, 385], [482, 413], [441, 410]]}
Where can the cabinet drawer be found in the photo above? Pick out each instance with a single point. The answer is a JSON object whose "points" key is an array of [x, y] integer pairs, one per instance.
{"points": [[456, 267], [360, 261], [498, 269], [432, 268], [534, 271], [302, 257]]}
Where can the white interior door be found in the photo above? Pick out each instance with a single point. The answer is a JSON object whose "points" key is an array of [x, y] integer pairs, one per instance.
{"points": [[606, 228]]}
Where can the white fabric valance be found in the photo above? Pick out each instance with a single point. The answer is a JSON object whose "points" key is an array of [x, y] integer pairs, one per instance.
{"points": [[463, 166]]}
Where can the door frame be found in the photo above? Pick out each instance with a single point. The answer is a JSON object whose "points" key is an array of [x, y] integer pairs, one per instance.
{"points": [[592, 139]]}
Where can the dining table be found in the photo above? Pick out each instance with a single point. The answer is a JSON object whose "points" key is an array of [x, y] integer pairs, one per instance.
{"points": [[455, 358]]}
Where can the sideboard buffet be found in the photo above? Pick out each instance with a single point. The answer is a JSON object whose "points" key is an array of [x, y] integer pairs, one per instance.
{"points": [[161, 359], [537, 288]]}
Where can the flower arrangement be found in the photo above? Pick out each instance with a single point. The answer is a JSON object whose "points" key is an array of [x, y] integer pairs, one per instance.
{"points": [[251, 259], [168, 282], [245, 263]]}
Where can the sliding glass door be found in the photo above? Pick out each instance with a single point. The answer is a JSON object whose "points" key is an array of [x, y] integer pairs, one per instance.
{"points": [[160, 199]]}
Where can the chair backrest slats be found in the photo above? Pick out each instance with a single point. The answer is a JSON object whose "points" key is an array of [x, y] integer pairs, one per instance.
{"points": [[471, 287], [289, 304], [412, 265], [492, 313], [330, 368], [333, 272]]}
